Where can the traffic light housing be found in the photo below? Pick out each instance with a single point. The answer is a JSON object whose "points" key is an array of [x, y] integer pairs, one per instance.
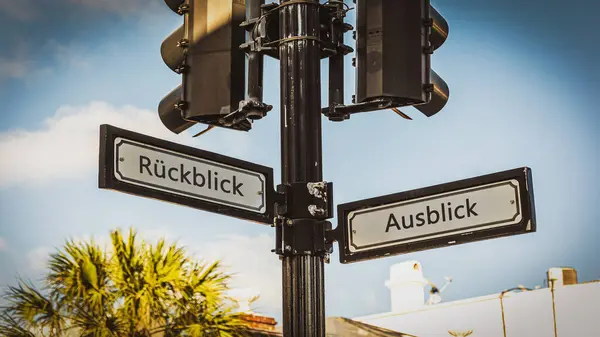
{"points": [[205, 50], [395, 39]]}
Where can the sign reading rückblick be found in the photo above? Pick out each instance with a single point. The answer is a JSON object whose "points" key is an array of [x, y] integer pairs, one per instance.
{"points": [[469, 210], [142, 165]]}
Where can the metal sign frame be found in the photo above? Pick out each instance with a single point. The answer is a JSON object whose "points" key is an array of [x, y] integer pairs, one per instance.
{"points": [[526, 225], [107, 179]]}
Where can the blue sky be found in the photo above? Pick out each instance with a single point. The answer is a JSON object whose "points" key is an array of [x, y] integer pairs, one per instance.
{"points": [[523, 78]]}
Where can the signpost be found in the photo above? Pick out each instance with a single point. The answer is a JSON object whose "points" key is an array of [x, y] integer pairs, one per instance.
{"points": [[394, 43], [480, 208], [138, 164]]}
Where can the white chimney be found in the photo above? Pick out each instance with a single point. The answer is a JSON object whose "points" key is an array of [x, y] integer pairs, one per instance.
{"points": [[561, 276], [407, 286]]}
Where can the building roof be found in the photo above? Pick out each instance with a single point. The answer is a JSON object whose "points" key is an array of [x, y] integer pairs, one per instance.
{"points": [[264, 333], [342, 327], [467, 301]]}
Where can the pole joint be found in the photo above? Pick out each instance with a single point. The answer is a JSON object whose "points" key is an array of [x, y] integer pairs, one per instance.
{"points": [[264, 30], [302, 237], [301, 224]]}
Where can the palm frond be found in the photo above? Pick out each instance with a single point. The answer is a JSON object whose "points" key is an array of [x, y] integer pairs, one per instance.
{"points": [[13, 327], [88, 324], [79, 273], [127, 268], [32, 309], [136, 289]]}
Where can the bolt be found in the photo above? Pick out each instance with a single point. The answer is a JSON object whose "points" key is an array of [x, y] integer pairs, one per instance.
{"points": [[315, 211], [317, 189], [289, 222], [183, 43], [288, 248], [121, 159], [354, 231], [512, 202]]}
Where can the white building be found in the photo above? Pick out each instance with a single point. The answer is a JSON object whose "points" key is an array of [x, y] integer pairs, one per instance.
{"points": [[564, 309]]}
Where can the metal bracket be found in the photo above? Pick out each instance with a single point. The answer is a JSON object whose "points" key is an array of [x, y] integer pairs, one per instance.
{"points": [[302, 237], [341, 112], [248, 109], [264, 31], [306, 200], [332, 235]]}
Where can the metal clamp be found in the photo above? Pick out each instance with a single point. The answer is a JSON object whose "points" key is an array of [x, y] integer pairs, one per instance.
{"points": [[248, 109], [302, 237], [266, 39], [263, 30], [306, 200]]}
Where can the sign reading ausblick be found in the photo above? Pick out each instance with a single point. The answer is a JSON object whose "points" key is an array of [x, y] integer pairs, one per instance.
{"points": [[146, 166], [469, 210]]}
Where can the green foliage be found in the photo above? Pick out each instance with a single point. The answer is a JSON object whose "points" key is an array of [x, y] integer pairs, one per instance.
{"points": [[135, 289]]}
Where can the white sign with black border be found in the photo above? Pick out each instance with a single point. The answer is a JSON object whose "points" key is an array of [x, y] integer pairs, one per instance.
{"points": [[468, 210], [134, 163]]}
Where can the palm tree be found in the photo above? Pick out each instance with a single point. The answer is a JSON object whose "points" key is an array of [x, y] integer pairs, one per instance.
{"points": [[136, 290]]}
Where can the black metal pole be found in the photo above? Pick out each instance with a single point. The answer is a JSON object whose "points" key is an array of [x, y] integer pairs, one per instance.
{"points": [[255, 59], [299, 53], [336, 64]]}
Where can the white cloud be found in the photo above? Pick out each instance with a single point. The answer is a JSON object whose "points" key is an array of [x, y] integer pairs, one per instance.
{"points": [[67, 146], [3, 244], [37, 258], [253, 265]]}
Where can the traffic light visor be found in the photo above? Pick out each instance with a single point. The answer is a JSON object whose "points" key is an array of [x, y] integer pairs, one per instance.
{"points": [[174, 4], [439, 28], [170, 50], [170, 114], [439, 96]]}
